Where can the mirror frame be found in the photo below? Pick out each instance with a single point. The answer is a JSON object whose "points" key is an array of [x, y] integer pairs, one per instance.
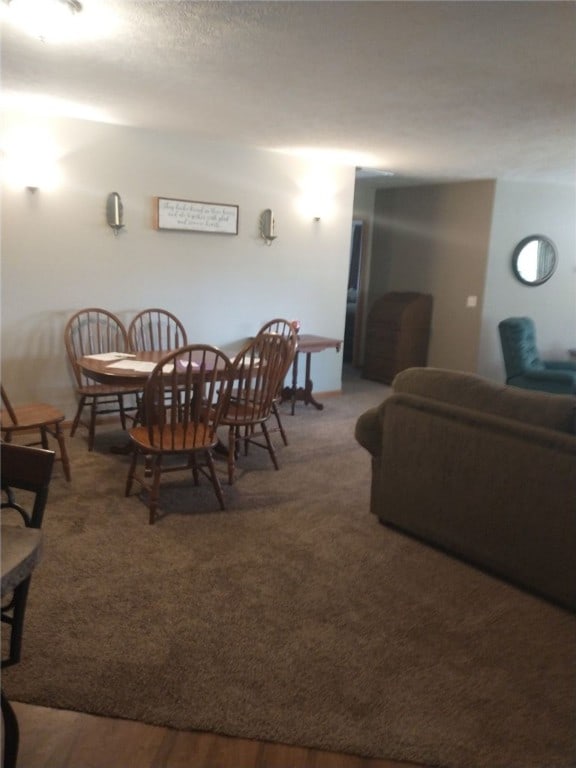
{"points": [[516, 255]]}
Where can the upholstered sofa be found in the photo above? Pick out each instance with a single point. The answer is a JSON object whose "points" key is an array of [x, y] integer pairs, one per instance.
{"points": [[484, 471]]}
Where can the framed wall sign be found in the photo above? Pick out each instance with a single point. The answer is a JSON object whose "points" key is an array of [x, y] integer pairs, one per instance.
{"points": [[192, 216]]}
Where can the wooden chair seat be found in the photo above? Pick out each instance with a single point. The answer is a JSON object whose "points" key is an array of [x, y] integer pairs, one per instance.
{"points": [[107, 390], [30, 417], [176, 439]]}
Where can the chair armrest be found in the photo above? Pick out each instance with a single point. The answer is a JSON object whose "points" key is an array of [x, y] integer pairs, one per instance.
{"points": [[546, 374], [560, 365]]}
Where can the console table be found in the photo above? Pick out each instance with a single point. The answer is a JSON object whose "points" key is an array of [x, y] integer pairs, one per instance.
{"points": [[308, 344]]}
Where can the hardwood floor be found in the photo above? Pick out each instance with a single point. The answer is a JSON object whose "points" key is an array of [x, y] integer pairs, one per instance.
{"points": [[53, 738]]}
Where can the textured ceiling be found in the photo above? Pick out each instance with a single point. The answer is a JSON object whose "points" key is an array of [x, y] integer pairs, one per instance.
{"points": [[474, 89]]}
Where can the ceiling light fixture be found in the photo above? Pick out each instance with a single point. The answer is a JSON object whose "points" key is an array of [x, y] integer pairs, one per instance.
{"points": [[48, 20], [74, 6]]}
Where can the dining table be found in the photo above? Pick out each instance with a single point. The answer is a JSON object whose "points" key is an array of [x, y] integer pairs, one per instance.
{"points": [[134, 368], [127, 368]]}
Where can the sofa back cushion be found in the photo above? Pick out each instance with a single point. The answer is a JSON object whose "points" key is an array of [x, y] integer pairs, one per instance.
{"points": [[541, 409]]}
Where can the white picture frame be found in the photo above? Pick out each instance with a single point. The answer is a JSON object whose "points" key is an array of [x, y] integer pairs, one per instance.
{"points": [[172, 213]]}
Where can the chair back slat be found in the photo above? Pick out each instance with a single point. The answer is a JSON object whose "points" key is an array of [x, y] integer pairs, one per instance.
{"points": [[93, 331], [156, 330]]}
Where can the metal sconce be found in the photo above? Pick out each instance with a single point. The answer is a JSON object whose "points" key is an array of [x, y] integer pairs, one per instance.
{"points": [[114, 212], [268, 226]]}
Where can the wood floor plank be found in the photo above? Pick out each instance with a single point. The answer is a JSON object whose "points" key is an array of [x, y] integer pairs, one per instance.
{"points": [[53, 738], [283, 756], [46, 735]]}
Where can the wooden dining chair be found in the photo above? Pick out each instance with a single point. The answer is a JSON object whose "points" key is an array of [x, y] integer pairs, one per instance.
{"points": [[41, 418], [257, 372], [184, 398], [28, 469], [156, 330], [286, 329], [89, 332]]}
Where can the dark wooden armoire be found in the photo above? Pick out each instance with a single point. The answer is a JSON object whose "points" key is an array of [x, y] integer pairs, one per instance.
{"points": [[397, 334]]}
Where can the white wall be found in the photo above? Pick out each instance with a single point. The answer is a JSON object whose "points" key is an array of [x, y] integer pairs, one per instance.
{"points": [[522, 209], [59, 255]]}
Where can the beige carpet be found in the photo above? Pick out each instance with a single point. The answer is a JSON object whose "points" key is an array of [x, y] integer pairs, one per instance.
{"points": [[292, 617]]}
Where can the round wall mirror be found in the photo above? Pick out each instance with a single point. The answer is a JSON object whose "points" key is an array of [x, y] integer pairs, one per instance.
{"points": [[534, 260]]}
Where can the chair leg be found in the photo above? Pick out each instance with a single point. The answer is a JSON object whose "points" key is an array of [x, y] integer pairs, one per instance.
{"points": [[231, 454], [271, 450], [139, 413], [276, 412], [122, 411], [44, 438], [11, 734], [16, 621], [248, 431], [155, 490], [215, 481], [78, 414], [92, 426], [131, 472], [63, 452], [193, 464]]}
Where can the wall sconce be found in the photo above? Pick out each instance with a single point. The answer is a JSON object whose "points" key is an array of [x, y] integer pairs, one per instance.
{"points": [[268, 226], [114, 212], [316, 199]]}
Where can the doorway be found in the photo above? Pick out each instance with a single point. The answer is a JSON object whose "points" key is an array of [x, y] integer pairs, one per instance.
{"points": [[352, 327]]}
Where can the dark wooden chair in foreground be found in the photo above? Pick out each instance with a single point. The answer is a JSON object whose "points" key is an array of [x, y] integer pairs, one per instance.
{"points": [[285, 329], [27, 469], [156, 330], [184, 398], [35, 417], [256, 375], [23, 468], [90, 332]]}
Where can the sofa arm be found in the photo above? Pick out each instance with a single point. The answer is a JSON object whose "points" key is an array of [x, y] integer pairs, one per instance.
{"points": [[368, 431]]}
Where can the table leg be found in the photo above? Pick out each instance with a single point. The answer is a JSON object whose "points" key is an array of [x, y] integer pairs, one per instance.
{"points": [[304, 393], [308, 397], [294, 383]]}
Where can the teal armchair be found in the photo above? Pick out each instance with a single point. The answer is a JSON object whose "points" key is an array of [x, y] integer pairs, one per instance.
{"points": [[524, 368]]}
